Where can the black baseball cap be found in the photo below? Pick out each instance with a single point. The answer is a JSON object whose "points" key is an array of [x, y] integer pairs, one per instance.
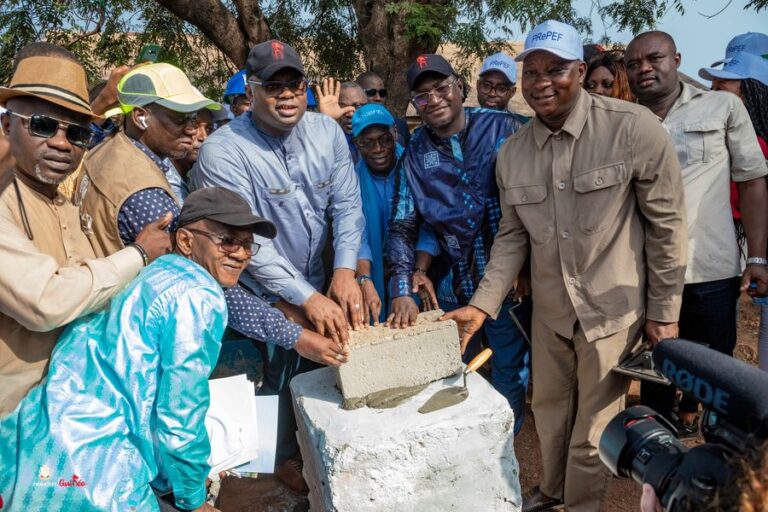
{"points": [[226, 207], [427, 63], [267, 58]]}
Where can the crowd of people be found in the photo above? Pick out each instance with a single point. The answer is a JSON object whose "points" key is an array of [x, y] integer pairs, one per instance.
{"points": [[144, 227]]}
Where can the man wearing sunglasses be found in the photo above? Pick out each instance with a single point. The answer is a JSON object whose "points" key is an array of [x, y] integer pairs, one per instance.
{"points": [[373, 86], [50, 275], [294, 168], [446, 181]]}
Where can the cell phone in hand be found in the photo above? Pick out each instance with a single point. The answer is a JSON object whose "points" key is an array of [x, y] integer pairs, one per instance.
{"points": [[149, 53]]}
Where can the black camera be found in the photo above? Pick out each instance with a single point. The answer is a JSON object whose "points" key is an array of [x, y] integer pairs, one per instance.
{"points": [[643, 445]]}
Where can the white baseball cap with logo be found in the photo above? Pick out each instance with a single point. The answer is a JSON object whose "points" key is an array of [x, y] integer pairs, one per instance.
{"points": [[502, 63], [554, 37], [750, 42], [740, 67]]}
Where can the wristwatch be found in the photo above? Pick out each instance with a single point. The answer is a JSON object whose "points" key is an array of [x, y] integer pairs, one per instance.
{"points": [[363, 278], [757, 261]]}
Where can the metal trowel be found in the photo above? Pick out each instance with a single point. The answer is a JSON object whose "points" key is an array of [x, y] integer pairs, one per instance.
{"points": [[455, 395]]}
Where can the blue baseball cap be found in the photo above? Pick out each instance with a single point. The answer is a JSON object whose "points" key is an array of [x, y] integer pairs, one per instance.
{"points": [[369, 115], [311, 101], [750, 42], [502, 63], [235, 85], [554, 37], [740, 67]]}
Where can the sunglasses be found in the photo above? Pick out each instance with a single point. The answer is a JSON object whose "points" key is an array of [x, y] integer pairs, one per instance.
{"points": [[276, 87], [46, 127], [373, 92], [441, 91], [229, 244]]}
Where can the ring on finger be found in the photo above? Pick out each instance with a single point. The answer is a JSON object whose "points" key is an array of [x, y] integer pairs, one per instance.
{"points": [[339, 357], [357, 306]]}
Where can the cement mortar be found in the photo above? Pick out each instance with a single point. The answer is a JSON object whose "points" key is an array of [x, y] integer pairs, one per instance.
{"points": [[385, 399], [460, 458], [383, 359]]}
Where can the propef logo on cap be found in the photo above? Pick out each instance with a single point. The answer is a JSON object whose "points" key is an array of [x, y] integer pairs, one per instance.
{"points": [[554, 37], [549, 35]]}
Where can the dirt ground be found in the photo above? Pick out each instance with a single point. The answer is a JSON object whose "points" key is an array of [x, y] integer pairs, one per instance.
{"points": [[268, 495]]}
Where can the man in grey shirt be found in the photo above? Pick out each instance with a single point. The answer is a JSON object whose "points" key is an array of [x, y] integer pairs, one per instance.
{"points": [[294, 168]]}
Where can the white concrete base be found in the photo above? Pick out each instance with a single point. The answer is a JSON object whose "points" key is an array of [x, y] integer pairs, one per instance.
{"points": [[460, 458]]}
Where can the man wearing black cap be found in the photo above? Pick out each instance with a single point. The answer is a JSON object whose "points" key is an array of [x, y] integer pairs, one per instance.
{"points": [[446, 180], [161, 335], [294, 168]]}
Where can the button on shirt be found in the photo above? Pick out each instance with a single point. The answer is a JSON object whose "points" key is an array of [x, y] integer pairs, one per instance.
{"points": [[609, 246], [715, 143], [302, 182]]}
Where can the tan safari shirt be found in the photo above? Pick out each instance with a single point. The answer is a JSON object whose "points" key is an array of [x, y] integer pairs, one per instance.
{"points": [[602, 203], [46, 282], [715, 143]]}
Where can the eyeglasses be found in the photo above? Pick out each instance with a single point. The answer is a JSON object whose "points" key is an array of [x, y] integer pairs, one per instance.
{"points": [[229, 244], [275, 88], [486, 87], [46, 127], [385, 141], [441, 91], [373, 92]]}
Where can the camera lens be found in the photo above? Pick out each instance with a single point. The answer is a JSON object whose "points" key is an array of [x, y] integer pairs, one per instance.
{"points": [[639, 443]]}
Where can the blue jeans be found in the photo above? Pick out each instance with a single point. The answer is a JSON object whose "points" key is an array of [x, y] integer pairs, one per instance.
{"points": [[511, 360]]}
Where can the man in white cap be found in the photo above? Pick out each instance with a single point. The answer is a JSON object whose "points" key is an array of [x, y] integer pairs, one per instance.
{"points": [[605, 228], [496, 83]]}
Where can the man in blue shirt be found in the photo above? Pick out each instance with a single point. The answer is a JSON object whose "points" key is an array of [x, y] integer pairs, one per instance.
{"points": [[446, 180], [294, 168], [374, 134]]}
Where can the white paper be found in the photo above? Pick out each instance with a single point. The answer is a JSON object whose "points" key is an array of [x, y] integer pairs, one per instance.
{"points": [[232, 424], [266, 411]]}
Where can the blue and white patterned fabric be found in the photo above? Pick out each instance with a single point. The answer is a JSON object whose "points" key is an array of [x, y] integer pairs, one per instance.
{"points": [[250, 315], [124, 402], [450, 185]]}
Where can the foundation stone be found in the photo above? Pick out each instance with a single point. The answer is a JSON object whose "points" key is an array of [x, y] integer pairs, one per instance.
{"points": [[382, 358], [460, 458]]}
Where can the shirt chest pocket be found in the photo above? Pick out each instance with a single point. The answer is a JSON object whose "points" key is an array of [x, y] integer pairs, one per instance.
{"points": [[703, 140], [599, 196], [322, 190], [535, 211], [279, 198]]}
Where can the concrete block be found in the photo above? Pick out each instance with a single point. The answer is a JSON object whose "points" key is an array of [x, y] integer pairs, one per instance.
{"points": [[460, 458], [383, 358]]}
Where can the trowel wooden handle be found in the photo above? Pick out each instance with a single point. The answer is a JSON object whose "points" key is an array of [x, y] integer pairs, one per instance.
{"points": [[478, 361]]}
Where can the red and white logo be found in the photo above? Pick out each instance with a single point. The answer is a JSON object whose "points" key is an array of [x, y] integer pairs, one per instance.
{"points": [[421, 61], [278, 50], [75, 482]]}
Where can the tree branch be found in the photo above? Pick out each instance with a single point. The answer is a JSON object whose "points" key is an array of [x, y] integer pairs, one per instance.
{"points": [[96, 29], [216, 22], [252, 22]]}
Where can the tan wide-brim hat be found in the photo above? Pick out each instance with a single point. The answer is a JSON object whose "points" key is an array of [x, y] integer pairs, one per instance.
{"points": [[56, 80]]}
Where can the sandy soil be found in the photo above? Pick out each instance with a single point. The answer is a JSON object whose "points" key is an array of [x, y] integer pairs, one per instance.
{"points": [[268, 495]]}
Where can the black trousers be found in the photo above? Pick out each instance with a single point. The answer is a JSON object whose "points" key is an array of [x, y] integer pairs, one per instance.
{"points": [[708, 315]]}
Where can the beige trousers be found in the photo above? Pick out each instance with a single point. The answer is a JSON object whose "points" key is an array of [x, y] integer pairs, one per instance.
{"points": [[575, 395]]}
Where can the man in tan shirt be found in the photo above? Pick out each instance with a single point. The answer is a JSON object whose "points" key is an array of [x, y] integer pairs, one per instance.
{"points": [[591, 187], [715, 143], [49, 274]]}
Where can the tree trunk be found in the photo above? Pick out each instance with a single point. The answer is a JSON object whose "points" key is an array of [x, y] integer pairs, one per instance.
{"points": [[388, 50], [234, 36]]}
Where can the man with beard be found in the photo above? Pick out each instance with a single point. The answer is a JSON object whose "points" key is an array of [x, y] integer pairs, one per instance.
{"points": [[50, 275], [715, 143], [294, 168]]}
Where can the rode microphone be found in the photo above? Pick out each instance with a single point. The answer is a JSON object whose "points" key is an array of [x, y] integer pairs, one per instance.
{"points": [[727, 386]]}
